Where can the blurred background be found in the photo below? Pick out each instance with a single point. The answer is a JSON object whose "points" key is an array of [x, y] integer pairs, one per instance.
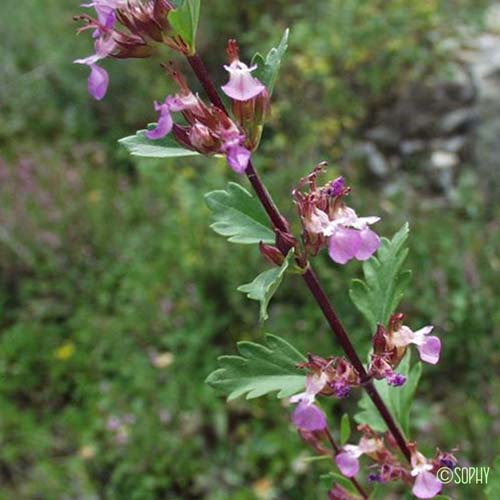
{"points": [[116, 298]]}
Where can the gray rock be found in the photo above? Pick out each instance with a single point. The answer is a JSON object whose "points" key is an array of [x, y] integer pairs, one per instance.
{"points": [[411, 147], [384, 136], [459, 120]]}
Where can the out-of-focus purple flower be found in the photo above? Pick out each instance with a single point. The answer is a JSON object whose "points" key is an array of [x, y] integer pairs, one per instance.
{"points": [[429, 346], [348, 459], [113, 423], [395, 379], [242, 86]]}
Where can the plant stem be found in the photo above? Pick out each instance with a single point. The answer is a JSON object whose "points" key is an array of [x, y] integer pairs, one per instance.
{"points": [[353, 480], [309, 275]]}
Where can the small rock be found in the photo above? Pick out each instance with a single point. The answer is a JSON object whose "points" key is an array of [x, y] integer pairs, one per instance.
{"points": [[454, 144], [459, 120], [411, 147], [374, 159], [444, 160]]}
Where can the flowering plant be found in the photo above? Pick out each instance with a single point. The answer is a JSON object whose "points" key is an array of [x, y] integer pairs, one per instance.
{"points": [[232, 128]]}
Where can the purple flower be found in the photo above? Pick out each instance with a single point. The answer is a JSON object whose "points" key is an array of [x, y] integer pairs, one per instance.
{"points": [[429, 347], [337, 187], [238, 158], [426, 484], [395, 379], [165, 122], [341, 388], [98, 82], [307, 416], [347, 243], [242, 86], [347, 460]]}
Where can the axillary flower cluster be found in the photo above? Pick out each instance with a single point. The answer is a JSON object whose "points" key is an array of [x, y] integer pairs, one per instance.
{"points": [[132, 29]]}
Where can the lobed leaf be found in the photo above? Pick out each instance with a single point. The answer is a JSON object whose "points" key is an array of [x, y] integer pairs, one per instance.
{"points": [[238, 215], [378, 296], [260, 370], [140, 145], [268, 68]]}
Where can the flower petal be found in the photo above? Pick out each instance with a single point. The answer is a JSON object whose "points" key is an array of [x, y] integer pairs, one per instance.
{"points": [[347, 463], [344, 244], [430, 349], [426, 485], [164, 125], [369, 244], [308, 417], [242, 86], [238, 158], [98, 82]]}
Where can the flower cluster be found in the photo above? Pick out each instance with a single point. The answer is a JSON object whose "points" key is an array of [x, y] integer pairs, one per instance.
{"points": [[329, 377], [327, 220], [124, 29], [421, 475], [389, 348], [209, 130]]}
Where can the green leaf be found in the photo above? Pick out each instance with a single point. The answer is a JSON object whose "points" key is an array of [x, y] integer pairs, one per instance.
{"points": [[345, 429], [264, 286], [140, 145], [238, 215], [492, 490], [335, 477], [260, 370], [184, 22], [378, 296], [267, 69], [397, 399]]}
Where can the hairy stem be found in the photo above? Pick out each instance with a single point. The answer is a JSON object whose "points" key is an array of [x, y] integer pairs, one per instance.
{"points": [[312, 282]]}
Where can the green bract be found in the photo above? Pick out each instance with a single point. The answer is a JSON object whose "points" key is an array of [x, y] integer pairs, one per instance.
{"points": [[238, 215], [260, 370], [267, 69], [184, 22], [263, 287]]}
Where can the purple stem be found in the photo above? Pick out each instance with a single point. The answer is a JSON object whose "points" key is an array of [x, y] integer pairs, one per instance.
{"points": [[309, 276]]}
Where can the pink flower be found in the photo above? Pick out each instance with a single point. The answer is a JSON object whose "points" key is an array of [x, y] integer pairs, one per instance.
{"points": [[349, 235], [426, 483], [347, 460], [307, 416], [98, 82], [429, 347], [165, 122], [242, 86]]}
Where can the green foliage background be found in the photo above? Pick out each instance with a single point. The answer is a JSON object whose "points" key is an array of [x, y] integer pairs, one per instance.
{"points": [[108, 262]]}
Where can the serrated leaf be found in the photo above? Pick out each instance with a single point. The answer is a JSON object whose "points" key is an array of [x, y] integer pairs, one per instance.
{"points": [[140, 145], [264, 286], [184, 22], [238, 215], [345, 429], [260, 370], [378, 296], [397, 399], [267, 69]]}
